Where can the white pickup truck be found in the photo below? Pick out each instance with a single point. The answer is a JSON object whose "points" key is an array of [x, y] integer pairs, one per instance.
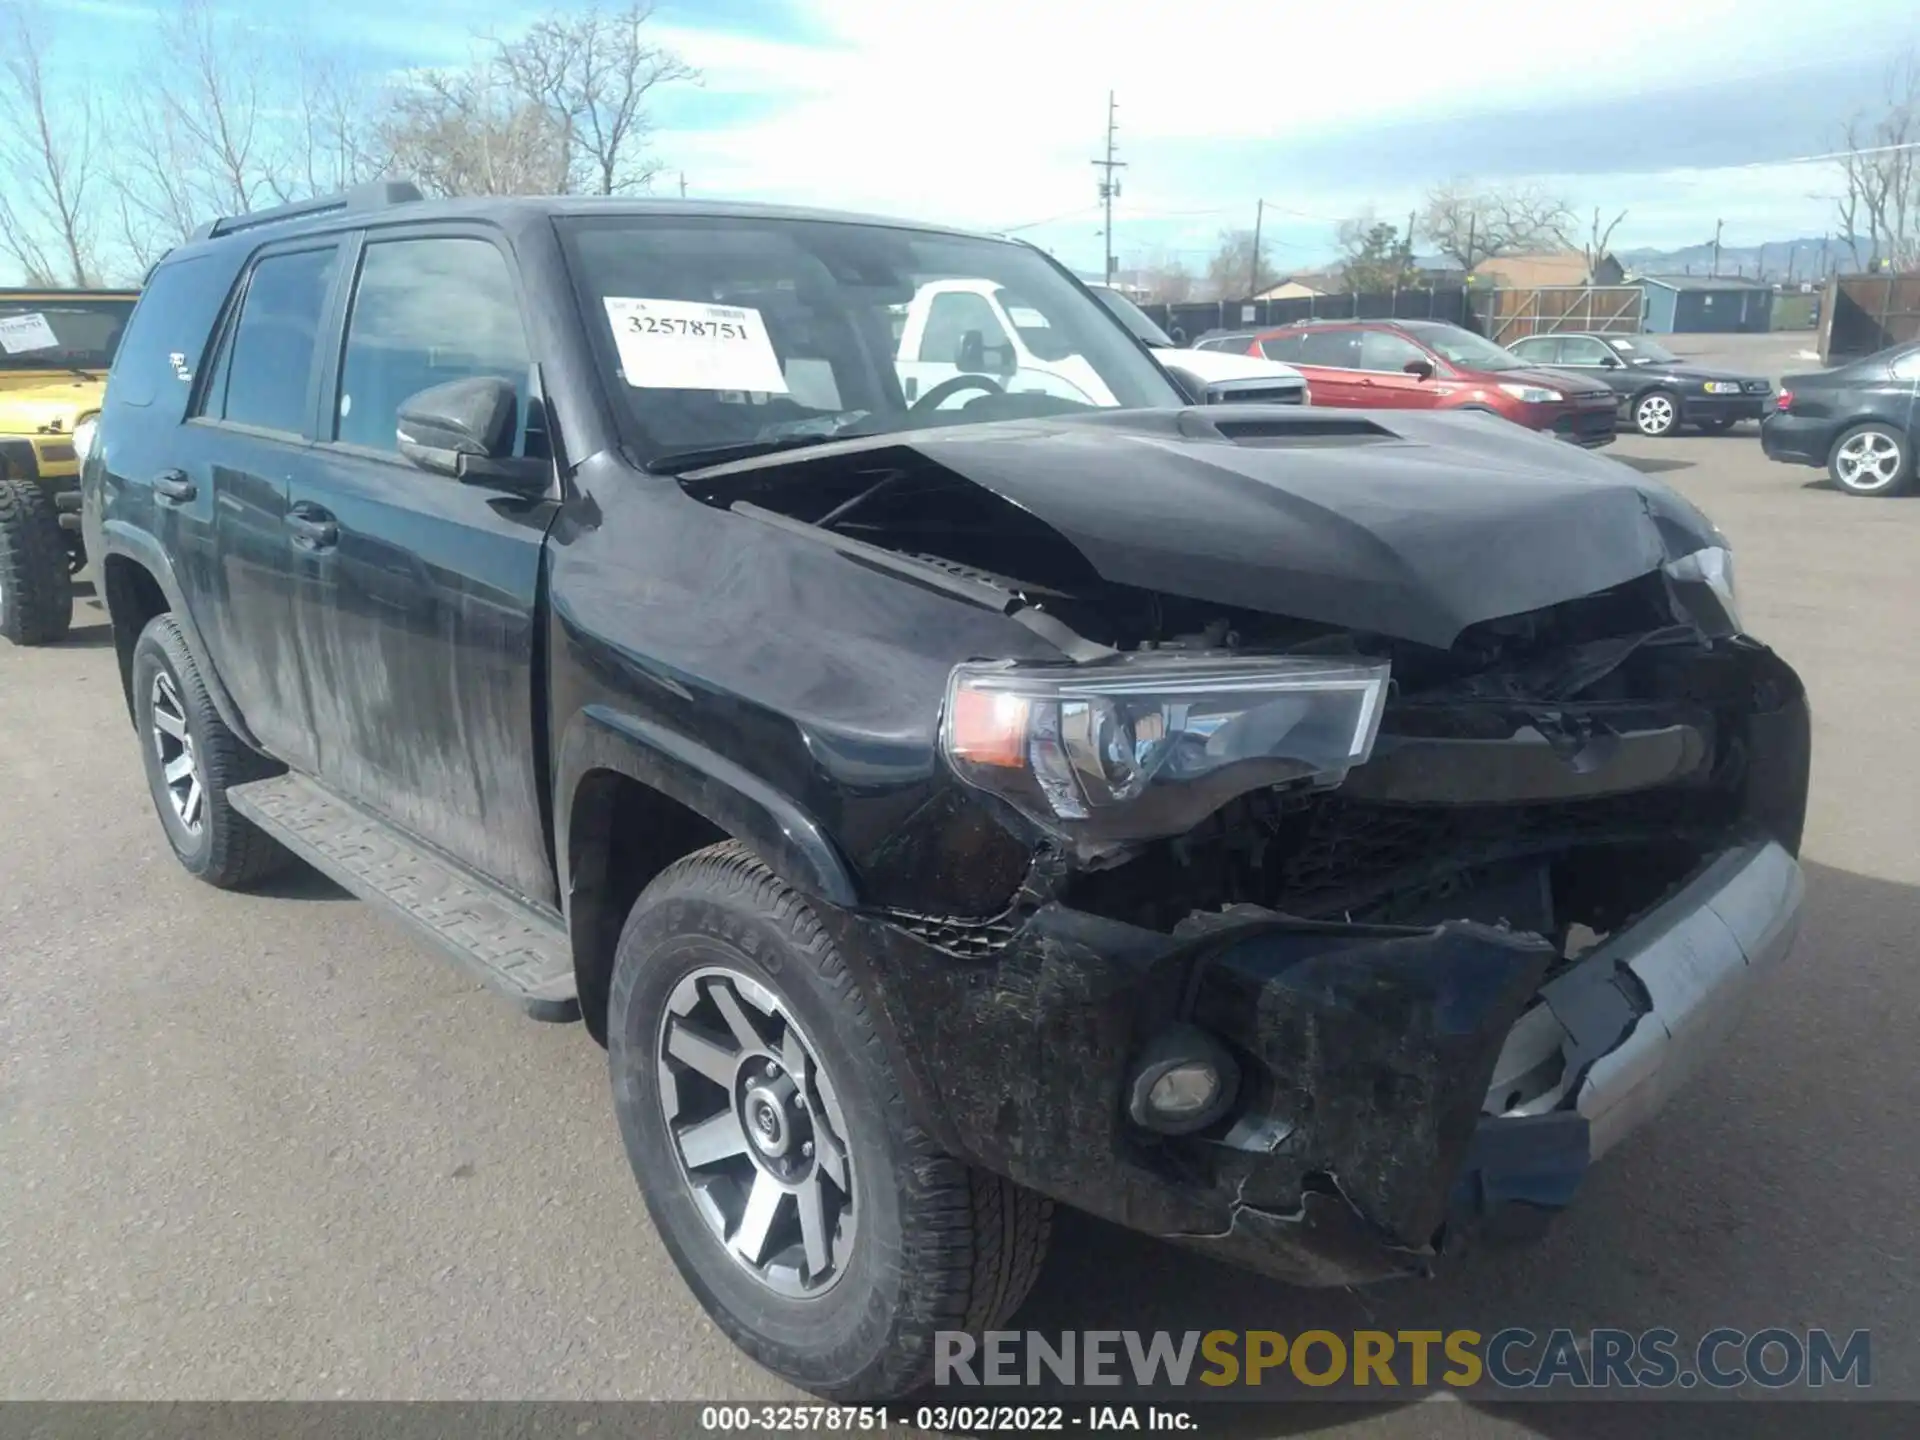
{"points": [[976, 327]]}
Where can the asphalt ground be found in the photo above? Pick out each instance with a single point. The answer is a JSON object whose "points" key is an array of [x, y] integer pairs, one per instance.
{"points": [[266, 1146]]}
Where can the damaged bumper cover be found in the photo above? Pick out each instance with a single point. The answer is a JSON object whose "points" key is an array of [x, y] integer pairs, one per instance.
{"points": [[1369, 1132]]}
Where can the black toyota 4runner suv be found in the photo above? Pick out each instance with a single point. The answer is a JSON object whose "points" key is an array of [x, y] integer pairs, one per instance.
{"points": [[1309, 837]]}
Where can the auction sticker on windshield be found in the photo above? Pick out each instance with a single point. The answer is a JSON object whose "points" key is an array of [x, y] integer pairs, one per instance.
{"points": [[689, 345], [20, 333]]}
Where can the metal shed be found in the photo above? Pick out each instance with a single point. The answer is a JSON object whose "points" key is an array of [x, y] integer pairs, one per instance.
{"points": [[1706, 304]]}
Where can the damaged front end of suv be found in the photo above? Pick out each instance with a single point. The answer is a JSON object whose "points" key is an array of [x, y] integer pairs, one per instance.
{"points": [[1390, 817]]}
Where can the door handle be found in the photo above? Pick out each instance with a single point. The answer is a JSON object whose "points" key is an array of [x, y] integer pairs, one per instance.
{"points": [[174, 485], [312, 527]]}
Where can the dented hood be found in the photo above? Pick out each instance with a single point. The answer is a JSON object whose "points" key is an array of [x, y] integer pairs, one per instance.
{"points": [[1407, 525]]}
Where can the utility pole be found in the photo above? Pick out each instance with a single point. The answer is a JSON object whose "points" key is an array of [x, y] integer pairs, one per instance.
{"points": [[1406, 266], [1253, 265], [1716, 246], [1109, 187], [683, 184]]}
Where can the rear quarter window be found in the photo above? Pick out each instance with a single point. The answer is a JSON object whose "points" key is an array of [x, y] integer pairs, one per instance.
{"points": [[167, 335]]}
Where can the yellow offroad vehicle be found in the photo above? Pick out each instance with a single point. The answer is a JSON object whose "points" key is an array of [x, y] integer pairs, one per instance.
{"points": [[55, 347]]}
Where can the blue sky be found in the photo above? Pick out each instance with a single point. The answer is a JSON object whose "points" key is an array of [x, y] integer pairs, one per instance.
{"points": [[987, 112]]}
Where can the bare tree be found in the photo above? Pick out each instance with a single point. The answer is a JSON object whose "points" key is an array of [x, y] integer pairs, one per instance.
{"points": [[1470, 226], [1595, 246], [466, 133], [593, 71], [1377, 257], [49, 195], [1881, 168], [1233, 265], [338, 143]]}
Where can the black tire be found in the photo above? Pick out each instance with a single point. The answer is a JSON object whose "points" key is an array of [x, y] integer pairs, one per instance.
{"points": [[36, 590], [222, 847], [1717, 424], [939, 1245], [1893, 455], [1655, 413]]}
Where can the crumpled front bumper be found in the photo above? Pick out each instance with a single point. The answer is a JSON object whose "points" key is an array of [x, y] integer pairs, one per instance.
{"points": [[1361, 1146], [1629, 1025]]}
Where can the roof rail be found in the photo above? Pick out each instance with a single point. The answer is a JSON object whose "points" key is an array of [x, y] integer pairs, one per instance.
{"points": [[374, 196]]}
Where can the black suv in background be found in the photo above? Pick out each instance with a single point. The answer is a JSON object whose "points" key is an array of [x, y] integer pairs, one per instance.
{"points": [[1659, 392], [1238, 822]]}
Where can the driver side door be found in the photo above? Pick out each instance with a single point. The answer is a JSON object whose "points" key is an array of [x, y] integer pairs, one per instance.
{"points": [[415, 594]]}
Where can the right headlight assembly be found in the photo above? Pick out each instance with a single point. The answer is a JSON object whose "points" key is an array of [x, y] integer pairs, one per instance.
{"points": [[1147, 746]]}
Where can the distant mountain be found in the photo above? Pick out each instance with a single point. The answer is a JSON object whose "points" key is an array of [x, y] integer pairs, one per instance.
{"points": [[1803, 259]]}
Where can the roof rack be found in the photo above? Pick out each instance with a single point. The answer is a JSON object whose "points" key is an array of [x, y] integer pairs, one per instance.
{"points": [[375, 196]]}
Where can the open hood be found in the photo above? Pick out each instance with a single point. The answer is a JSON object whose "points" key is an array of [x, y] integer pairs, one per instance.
{"points": [[1413, 526]]}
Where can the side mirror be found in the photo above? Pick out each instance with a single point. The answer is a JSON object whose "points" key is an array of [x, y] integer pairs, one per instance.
{"points": [[1609, 362], [464, 429], [976, 357], [1419, 369]]}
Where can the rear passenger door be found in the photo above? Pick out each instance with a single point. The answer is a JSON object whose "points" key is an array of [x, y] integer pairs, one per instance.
{"points": [[415, 594], [221, 511], [1330, 359]]}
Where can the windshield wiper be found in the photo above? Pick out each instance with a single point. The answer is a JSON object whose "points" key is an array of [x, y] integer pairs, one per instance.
{"points": [[678, 462]]}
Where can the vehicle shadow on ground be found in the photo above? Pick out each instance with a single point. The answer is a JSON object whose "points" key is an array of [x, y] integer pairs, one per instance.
{"points": [[1654, 465], [300, 881], [86, 637], [1693, 1223]]}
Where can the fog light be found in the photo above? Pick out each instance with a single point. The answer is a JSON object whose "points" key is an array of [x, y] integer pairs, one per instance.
{"points": [[1183, 1082], [1184, 1091]]}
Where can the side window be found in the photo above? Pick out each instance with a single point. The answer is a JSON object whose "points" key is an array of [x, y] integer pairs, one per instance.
{"points": [[425, 312], [1578, 350], [951, 315], [1382, 350], [265, 366], [1537, 351], [168, 332], [1284, 348], [1335, 348]]}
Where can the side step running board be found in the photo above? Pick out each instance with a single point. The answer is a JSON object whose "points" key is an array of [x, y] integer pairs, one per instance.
{"points": [[505, 943]]}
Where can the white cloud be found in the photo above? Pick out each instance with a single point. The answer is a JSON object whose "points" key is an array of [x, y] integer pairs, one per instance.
{"points": [[988, 113]]}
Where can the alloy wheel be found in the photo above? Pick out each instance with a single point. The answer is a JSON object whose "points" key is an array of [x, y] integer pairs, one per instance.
{"points": [[173, 745], [1654, 415], [1868, 462], [758, 1130]]}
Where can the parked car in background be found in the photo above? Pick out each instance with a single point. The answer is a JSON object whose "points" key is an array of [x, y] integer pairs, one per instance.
{"points": [[55, 348], [1659, 392], [1861, 421], [1242, 379], [1431, 365]]}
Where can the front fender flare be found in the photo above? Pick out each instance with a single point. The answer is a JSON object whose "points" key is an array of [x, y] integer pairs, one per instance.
{"points": [[731, 798]]}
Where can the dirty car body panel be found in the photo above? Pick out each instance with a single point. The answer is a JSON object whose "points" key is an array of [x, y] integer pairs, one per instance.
{"points": [[1446, 984]]}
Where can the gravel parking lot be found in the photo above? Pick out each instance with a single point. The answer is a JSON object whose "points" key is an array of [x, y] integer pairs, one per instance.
{"points": [[266, 1146]]}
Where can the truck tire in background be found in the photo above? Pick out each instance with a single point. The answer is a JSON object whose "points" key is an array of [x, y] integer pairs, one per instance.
{"points": [[745, 1066], [36, 590]]}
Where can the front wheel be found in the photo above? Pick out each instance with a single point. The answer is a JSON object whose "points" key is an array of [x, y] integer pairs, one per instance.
{"points": [[761, 1113], [1656, 413], [1871, 460]]}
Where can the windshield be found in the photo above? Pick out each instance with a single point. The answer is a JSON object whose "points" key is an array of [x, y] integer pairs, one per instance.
{"points": [[1134, 318], [1642, 351], [56, 334], [725, 332], [1464, 348]]}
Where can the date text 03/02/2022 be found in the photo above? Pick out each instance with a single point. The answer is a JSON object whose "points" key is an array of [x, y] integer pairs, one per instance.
{"points": [[970, 1419]]}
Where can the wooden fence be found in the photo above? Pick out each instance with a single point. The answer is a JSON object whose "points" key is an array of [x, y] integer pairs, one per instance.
{"points": [[1865, 313], [1505, 315]]}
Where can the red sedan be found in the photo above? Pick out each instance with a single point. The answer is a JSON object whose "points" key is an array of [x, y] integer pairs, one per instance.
{"points": [[1430, 365]]}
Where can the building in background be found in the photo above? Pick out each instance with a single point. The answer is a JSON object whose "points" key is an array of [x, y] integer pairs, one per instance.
{"points": [[1547, 268], [1706, 305]]}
